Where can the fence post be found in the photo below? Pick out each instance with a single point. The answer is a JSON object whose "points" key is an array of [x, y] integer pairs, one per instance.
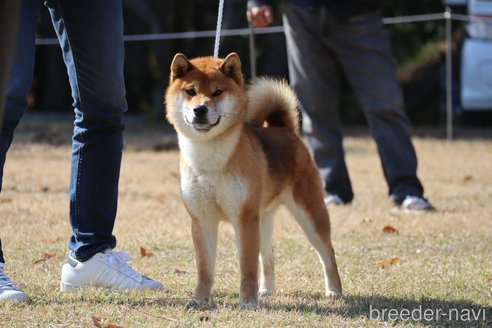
{"points": [[252, 49], [449, 75]]}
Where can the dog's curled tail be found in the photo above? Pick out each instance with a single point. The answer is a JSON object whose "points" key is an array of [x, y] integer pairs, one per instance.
{"points": [[274, 102]]}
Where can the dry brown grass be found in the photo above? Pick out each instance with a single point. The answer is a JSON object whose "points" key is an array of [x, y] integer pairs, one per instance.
{"points": [[445, 257]]}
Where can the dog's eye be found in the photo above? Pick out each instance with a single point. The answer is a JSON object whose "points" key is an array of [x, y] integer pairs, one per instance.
{"points": [[191, 92], [217, 93]]}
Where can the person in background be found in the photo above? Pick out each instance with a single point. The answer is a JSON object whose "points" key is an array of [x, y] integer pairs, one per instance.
{"points": [[328, 38], [91, 38]]}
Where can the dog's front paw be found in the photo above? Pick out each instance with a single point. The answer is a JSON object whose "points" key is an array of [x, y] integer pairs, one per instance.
{"points": [[333, 293], [266, 291], [195, 303], [248, 304]]}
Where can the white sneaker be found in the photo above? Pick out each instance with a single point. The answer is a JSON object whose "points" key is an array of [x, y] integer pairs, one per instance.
{"points": [[107, 270], [9, 291], [416, 203]]}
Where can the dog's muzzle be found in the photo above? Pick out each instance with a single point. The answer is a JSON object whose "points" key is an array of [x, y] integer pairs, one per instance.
{"points": [[201, 119], [200, 115]]}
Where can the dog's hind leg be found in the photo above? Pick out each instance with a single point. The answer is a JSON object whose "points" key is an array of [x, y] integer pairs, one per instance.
{"points": [[310, 212], [204, 234], [267, 260]]}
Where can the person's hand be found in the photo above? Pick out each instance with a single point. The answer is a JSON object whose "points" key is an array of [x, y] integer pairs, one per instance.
{"points": [[261, 16]]}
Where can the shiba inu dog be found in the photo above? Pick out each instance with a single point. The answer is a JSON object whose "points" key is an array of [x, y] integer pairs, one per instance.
{"points": [[241, 157]]}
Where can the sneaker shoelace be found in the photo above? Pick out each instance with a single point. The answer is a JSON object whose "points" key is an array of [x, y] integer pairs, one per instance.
{"points": [[119, 260]]}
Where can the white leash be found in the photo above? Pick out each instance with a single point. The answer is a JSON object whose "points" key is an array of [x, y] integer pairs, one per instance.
{"points": [[219, 28]]}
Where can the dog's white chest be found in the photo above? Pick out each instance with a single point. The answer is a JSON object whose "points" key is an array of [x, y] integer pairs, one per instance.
{"points": [[199, 188], [209, 193]]}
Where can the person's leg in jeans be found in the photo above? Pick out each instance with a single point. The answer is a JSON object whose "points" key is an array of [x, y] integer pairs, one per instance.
{"points": [[2, 260], [18, 74], [315, 77], [362, 47], [9, 17], [20, 77], [90, 34], [91, 37]]}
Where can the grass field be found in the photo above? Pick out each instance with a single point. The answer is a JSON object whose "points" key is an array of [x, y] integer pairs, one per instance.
{"points": [[442, 275]]}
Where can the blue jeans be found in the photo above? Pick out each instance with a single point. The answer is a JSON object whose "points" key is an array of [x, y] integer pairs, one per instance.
{"points": [[90, 33], [321, 47]]}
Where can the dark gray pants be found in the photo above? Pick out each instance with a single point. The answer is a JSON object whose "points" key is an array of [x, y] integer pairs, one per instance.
{"points": [[321, 47]]}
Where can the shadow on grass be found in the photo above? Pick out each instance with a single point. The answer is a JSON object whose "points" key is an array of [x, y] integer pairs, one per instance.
{"points": [[428, 312], [390, 310]]}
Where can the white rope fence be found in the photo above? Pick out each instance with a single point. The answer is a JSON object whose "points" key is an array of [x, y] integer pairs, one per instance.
{"points": [[262, 30], [179, 35], [447, 16]]}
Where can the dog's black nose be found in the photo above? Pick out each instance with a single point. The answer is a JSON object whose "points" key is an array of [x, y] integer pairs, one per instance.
{"points": [[200, 111]]}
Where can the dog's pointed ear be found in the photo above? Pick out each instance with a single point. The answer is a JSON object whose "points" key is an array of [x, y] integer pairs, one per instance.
{"points": [[180, 66], [231, 67]]}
